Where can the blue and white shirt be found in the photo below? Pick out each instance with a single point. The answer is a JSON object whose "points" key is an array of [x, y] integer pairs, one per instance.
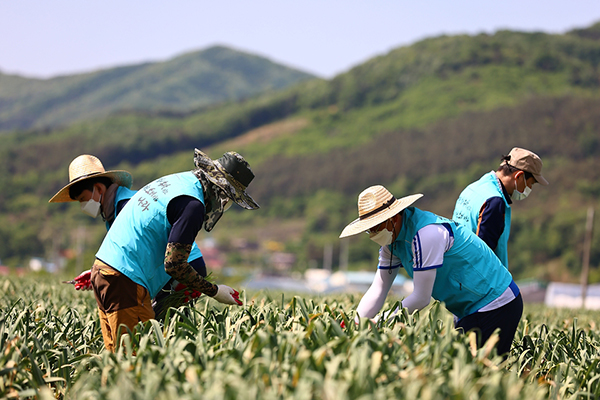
{"points": [[429, 247]]}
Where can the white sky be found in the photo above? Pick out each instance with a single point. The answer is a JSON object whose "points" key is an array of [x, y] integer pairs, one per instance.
{"points": [[43, 38]]}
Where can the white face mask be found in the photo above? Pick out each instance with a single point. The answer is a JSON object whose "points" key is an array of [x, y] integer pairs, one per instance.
{"points": [[520, 195], [91, 207], [383, 237]]}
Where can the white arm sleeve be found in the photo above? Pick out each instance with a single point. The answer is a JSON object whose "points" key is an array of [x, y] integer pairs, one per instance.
{"points": [[373, 300], [421, 296], [428, 247]]}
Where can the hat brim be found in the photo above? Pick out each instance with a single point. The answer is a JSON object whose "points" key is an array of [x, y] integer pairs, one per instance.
{"points": [[360, 225], [121, 178], [540, 179], [223, 179]]}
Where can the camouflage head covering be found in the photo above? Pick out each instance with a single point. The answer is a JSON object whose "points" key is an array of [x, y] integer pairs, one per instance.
{"points": [[223, 179], [215, 201]]}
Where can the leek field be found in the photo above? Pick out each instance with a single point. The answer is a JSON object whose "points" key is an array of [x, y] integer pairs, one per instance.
{"points": [[282, 347]]}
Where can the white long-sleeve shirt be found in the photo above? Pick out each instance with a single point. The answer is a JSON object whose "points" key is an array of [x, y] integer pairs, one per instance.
{"points": [[428, 248], [430, 243]]}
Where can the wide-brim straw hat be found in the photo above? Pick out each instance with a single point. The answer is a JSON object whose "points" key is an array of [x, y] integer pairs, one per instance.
{"points": [[375, 205], [85, 167], [231, 173]]}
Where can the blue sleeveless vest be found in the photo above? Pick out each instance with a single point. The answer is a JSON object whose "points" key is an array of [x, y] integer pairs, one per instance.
{"points": [[471, 276], [135, 245], [468, 205], [124, 193]]}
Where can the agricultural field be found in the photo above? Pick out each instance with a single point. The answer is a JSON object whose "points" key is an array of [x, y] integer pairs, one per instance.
{"points": [[283, 347]]}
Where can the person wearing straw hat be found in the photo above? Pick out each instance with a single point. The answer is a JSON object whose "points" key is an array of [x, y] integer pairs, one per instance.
{"points": [[99, 193], [445, 260], [484, 206], [93, 186], [150, 242], [105, 193]]}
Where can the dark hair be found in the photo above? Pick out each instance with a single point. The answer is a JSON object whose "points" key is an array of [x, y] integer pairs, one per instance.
{"points": [[88, 184], [508, 169]]}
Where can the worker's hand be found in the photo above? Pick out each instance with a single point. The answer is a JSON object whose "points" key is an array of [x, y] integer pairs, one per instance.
{"points": [[227, 295], [82, 281]]}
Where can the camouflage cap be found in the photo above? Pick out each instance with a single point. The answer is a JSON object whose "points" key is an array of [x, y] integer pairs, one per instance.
{"points": [[231, 173]]}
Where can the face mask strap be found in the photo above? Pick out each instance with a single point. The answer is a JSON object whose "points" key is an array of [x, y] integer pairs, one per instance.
{"points": [[101, 211], [392, 248], [524, 182]]}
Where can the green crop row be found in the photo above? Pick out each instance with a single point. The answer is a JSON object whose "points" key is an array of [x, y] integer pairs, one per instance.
{"points": [[283, 348]]}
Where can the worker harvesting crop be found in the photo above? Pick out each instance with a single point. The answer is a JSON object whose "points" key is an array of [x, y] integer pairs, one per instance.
{"points": [[150, 241], [105, 193], [446, 261], [484, 206]]}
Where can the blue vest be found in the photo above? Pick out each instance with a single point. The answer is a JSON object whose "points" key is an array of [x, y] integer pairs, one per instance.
{"points": [[468, 205], [124, 193], [470, 277], [135, 245]]}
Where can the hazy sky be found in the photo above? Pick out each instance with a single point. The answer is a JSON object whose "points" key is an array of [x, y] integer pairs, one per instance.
{"points": [[43, 38]]}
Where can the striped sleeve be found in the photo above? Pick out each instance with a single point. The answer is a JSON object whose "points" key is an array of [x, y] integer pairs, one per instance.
{"points": [[429, 245], [387, 260]]}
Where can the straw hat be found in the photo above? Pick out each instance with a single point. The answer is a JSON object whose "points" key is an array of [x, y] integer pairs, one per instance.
{"points": [[375, 205], [85, 167], [231, 173]]}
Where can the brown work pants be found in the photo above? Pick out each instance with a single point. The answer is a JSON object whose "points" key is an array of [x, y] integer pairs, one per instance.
{"points": [[120, 300]]}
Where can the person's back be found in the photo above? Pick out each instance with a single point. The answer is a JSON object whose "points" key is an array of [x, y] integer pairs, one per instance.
{"points": [[151, 240], [483, 209], [136, 243], [105, 193], [484, 206], [470, 277], [99, 193], [445, 260]]}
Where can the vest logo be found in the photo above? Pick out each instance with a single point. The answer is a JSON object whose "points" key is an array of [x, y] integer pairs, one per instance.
{"points": [[145, 204]]}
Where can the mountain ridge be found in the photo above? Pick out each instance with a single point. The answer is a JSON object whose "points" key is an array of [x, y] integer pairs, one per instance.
{"points": [[430, 118], [185, 82]]}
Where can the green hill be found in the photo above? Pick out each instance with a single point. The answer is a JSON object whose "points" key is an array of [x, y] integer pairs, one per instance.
{"points": [[427, 118], [181, 84]]}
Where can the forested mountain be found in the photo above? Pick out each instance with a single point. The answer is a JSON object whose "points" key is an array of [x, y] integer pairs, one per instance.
{"points": [[181, 84], [428, 118]]}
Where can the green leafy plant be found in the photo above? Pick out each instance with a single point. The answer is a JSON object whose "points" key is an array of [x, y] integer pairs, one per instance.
{"points": [[284, 346]]}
